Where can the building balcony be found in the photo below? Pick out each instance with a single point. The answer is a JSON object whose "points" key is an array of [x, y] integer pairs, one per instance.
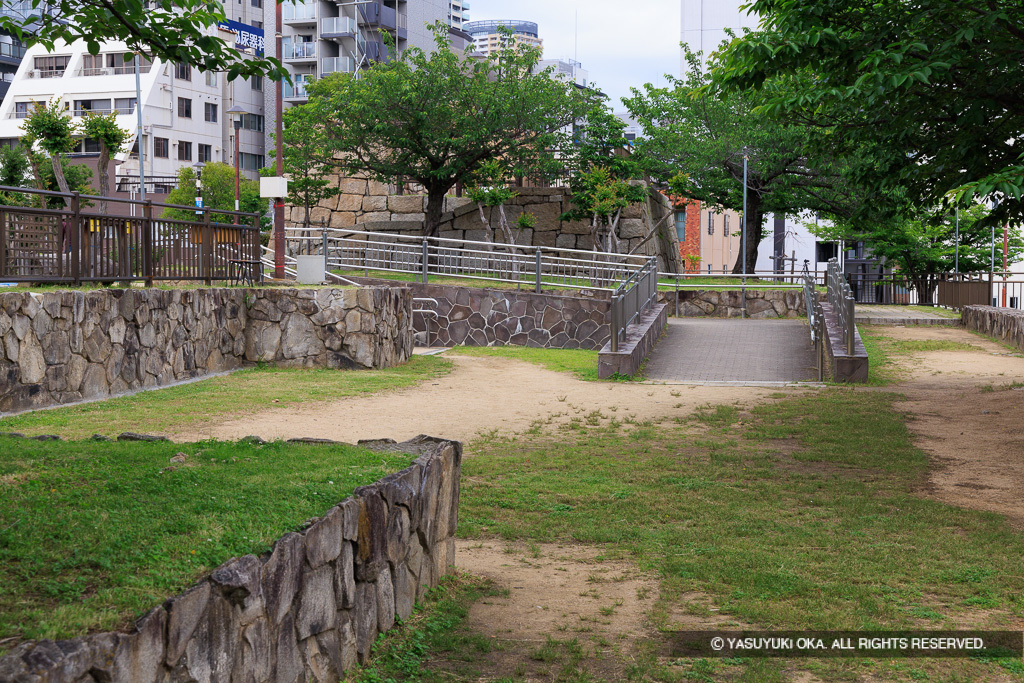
{"points": [[300, 52], [330, 65], [114, 70], [298, 14], [45, 73], [297, 90], [337, 28], [115, 110]]}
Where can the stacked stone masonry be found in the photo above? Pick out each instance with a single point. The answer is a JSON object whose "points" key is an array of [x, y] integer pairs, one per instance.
{"points": [[761, 303], [372, 206], [499, 317], [62, 347], [1005, 324], [308, 610]]}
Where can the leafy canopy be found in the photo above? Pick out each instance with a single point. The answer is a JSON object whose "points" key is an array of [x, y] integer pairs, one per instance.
{"points": [[172, 30], [218, 192], [935, 88], [307, 157], [435, 117]]}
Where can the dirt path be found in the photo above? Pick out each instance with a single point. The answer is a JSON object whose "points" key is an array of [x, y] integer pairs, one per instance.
{"points": [[480, 395], [966, 415]]}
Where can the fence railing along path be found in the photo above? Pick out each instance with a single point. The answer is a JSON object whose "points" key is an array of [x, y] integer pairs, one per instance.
{"points": [[630, 280], [841, 300], [65, 239]]}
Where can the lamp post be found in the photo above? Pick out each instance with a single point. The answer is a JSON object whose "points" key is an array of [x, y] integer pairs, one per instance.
{"points": [[746, 159], [236, 113], [138, 135], [279, 165], [199, 185]]}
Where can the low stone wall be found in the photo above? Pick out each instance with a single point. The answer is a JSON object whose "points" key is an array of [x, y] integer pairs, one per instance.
{"points": [[641, 338], [475, 316], [62, 347], [728, 303], [306, 611], [1005, 324]]}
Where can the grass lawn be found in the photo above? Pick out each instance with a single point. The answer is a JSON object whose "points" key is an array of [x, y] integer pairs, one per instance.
{"points": [[937, 310], [94, 534], [802, 514], [579, 362], [245, 391]]}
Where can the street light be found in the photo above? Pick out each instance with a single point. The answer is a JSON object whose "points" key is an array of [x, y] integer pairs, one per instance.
{"points": [[236, 113], [199, 185]]}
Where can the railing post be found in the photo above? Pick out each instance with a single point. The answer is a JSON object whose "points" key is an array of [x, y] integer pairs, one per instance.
{"points": [[76, 238], [851, 328], [537, 288], [426, 261], [324, 235], [615, 323], [147, 242], [206, 250], [5, 233]]}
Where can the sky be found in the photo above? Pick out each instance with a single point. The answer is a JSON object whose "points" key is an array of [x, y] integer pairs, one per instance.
{"points": [[621, 44]]}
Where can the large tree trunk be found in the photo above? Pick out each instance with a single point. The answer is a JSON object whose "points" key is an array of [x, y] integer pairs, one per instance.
{"points": [[755, 226], [58, 173], [435, 208], [102, 167]]}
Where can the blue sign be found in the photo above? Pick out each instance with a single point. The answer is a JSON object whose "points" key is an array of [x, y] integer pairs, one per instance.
{"points": [[245, 36], [199, 205]]}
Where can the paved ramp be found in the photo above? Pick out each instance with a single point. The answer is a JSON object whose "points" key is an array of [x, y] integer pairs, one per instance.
{"points": [[733, 351]]}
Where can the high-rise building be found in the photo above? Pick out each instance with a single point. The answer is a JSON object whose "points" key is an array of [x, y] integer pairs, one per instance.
{"points": [[12, 51], [458, 13], [568, 69], [704, 24], [488, 39]]}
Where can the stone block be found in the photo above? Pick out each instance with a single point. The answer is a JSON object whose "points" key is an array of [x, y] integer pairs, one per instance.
{"points": [[281, 576], [631, 227], [185, 611], [323, 539], [374, 203], [406, 203], [317, 607], [385, 601], [350, 202], [352, 186], [365, 613], [344, 577], [565, 241], [375, 216]]}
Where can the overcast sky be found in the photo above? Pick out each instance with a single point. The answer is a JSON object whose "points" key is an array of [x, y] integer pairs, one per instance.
{"points": [[620, 44]]}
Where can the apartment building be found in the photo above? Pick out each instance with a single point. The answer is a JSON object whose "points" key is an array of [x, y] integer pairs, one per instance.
{"points": [[458, 13], [12, 51], [709, 237], [485, 34], [569, 69]]}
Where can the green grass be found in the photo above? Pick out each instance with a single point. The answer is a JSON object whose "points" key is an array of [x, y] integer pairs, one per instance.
{"points": [[881, 369], [918, 345], [944, 312], [581, 363], [245, 391], [809, 516], [94, 534]]}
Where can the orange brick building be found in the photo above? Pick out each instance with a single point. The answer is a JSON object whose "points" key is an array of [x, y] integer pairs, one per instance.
{"points": [[709, 239]]}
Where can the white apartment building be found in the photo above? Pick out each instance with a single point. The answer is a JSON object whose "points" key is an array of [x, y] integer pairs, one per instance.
{"points": [[184, 110], [458, 13], [568, 69], [485, 34]]}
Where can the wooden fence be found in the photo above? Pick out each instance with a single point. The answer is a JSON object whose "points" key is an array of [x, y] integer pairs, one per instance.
{"points": [[75, 243]]}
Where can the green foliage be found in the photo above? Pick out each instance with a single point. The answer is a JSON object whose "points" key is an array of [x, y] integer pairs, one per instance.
{"points": [[104, 128], [52, 127], [696, 140], [435, 118], [218, 183], [934, 90], [174, 31], [489, 185], [78, 176], [14, 172], [307, 157]]}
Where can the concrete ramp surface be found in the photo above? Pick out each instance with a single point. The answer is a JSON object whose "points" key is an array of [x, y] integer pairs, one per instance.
{"points": [[733, 350]]}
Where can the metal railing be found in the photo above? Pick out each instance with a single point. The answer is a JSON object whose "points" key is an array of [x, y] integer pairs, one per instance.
{"points": [[75, 243], [841, 299], [631, 299], [426, 257], [815, 318], [952, 290]]}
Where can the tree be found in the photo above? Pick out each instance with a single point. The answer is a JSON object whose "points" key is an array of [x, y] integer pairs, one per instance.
{"points": [[601, 176], [924, 247], [936, 87], [435, 118], [52, 128], [218, 181], [112, 138], [307, 157], [14, 172], [172, 30], [696, 141], [490, 189]]}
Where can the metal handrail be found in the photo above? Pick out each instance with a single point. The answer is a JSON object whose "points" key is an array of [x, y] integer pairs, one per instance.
{"points": [[841, 299], [631, 299]]}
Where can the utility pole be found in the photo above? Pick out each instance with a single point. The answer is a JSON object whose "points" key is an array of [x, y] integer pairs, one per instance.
{"points": [[744, 240], [956, 265], [138, 136], [279, 135]]}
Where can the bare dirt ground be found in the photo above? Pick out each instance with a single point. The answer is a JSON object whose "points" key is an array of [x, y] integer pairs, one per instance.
{"points": [[965, 414], [480, 395]]}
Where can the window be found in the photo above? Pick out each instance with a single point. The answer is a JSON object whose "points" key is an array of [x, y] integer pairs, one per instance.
{"points": [[116, 62], [726, 231], [258, 24], [211, 78], [252, 122], [205, 153], [257, 3], [256, 83], [681, 225], [161, 147], [184, 151], [92, 65], [124, 105], [711, 223], [23, 109], [87, 146], [250, 162], [183, 71], [210, 112], [185, 107], [99, 106], [51, 66]]}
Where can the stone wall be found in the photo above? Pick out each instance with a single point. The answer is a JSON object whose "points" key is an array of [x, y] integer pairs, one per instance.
{"points": [[62, 347], [641, 338], [728, 303], [1005, 324], [475, 316], [372, 206], [306, 611]]}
